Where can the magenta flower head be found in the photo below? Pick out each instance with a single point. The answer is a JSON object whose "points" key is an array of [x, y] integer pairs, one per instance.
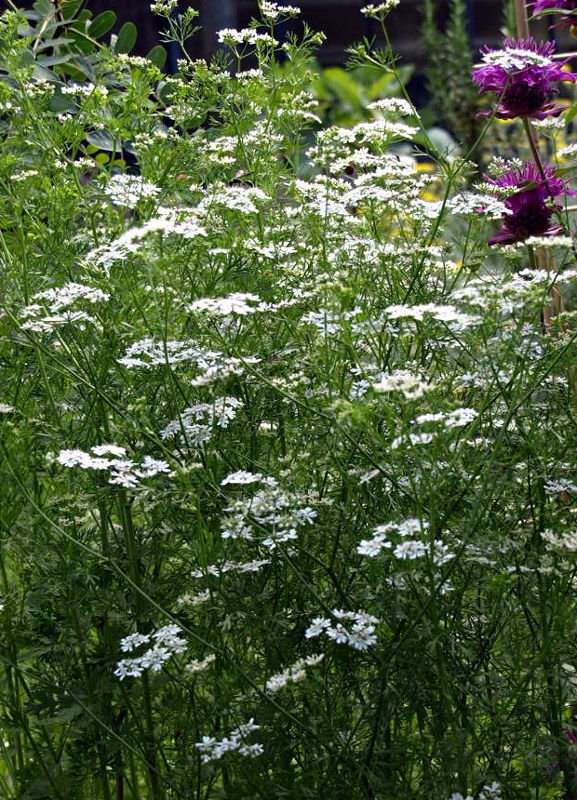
{"points": [[522, 74], [565, 20], [529, 198]]}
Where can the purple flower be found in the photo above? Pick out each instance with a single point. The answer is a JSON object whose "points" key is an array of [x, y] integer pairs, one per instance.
{"points": [[566, 20], [529, 198], [522, 74]]}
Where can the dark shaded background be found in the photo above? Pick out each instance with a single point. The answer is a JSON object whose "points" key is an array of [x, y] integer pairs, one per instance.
{"points": [[340, 20]]}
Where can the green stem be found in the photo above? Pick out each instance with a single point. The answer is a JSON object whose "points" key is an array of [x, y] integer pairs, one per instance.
{"points": [[150, 751], [135, 790], [534, 149]]}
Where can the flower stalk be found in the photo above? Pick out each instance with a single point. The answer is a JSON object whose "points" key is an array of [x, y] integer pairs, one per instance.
{"points": [[543, 260]]}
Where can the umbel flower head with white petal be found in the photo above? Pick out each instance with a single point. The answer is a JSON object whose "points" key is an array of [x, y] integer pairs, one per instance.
{"points": [[522, 74]]}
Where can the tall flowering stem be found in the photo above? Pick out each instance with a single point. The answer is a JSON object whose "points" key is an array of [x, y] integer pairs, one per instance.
{"points": [[544, 260], [533, 146], [523, 74]]}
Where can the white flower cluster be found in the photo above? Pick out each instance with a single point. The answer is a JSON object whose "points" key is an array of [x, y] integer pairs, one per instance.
{"points": [[473, 203], [213, 365], [351, 144], [441, 313], [239, 303], [254, 74], [241, 478], [212, 749], [367, 193], [565, 542], [221, 150], [128, 190], [329, 322], [193, 600], [409, 548], [301, 106], [293, 674], [492, 792], [8, 107], [516, 58], [393, 105], [380, 11], [499, 166], [53, 307], [83, 89], [272, 11], [196, 424], [19, 177], [411, 385], [559, 486], [149, 353], [457, 418], [411, 439], [199, 665], [233, 37], [123, 471], [505, 293], [242, 199], [165, 643], [548, 241], [139, 62], [569, 151], [168, 223], [360, 635], [39, 88], [163, 8], [393, 170], [230, 566], [372, 547], [272, 508], [383, 131]]}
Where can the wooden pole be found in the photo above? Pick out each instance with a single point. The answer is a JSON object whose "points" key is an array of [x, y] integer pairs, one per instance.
{"points": [[521, 19]]}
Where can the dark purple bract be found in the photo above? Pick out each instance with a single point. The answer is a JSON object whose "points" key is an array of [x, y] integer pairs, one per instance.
{"points": [[529, 197]]}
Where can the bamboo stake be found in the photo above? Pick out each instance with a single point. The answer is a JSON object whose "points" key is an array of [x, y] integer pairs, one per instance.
{"points": [[521, 18]]}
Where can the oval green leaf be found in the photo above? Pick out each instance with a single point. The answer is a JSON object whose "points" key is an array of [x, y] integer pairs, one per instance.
{"points": [[102, 140], [70, 7], [101, 24], [126, 38], [157, 56]]}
